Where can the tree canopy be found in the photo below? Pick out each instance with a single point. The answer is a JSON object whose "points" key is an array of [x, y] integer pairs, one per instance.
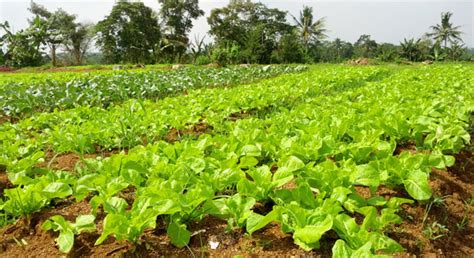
{"points": [[23, 48], [177, 18], [243, 31], [130, 33], [59, 25], [310, 30], [446, 31], [253, 27]]}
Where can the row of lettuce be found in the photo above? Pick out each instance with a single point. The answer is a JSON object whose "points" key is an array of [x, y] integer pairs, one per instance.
{"points": [[25, 96], [306, 142], [93, 129]]}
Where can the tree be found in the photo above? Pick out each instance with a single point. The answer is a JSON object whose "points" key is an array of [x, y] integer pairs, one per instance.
{"points": [[456, 51], [289, 50], [310, 30], [59, 25], [335, 51], [411, 49], [23, 48], [387, 52], [445, 31], [253, 27], [78, 41], [365, 47], [130, 33], [178, 19]]}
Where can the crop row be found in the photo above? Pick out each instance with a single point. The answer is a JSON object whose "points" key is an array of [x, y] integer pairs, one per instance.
{"points": [[91, 129], [25, 97], [303, 160]]}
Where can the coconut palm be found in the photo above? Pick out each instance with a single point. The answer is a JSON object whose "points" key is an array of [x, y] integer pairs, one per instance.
{"points": [[445, 31], [310, 29], [410, 49]]}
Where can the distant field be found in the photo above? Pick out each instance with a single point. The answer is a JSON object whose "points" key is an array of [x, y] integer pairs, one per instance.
{"points": [[331, 160], [27, 93], [82, 68]]}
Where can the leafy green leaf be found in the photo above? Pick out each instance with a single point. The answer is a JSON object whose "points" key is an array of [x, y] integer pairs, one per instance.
{"points": [[417, 185], [250, 150], [57, 190], [291, 164], [248, 162], [308, 237], [341, 250], [256, 221], [178, 234], [65, 241]]}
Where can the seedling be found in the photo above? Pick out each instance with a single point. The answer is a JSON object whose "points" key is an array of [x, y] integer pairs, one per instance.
{"points": [[436, 231], [435, 202], [67, 230]]}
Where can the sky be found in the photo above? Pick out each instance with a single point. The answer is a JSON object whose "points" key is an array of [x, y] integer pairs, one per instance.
{"points": [[385, 20]]}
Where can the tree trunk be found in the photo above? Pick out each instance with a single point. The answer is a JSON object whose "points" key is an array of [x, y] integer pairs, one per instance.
{"points": [[53, 55], [77, 53]]}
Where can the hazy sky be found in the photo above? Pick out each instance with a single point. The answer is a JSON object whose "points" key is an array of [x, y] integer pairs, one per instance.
{"points": [[384, 20]]}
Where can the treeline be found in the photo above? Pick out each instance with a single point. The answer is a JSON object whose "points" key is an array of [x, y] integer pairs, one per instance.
{"points": [[242, 32]]}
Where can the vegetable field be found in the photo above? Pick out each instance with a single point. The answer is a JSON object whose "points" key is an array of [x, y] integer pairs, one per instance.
{"points": [[331, 160]]}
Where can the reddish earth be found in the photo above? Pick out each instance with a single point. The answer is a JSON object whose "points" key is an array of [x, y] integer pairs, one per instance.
{"points": [[200, 128], [4, 182], [55, 70], [451, 219], [67, 162], [240, 115], [360, 61], [246, 113], [6, 69], [7, 119], [452, 234]]}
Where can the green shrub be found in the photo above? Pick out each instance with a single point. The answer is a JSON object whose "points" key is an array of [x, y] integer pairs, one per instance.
{"points": [[202, 60]]}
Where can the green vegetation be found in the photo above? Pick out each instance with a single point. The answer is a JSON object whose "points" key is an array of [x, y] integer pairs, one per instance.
{"points": [[24, 96], [300, 143], [154, 132], [243, 31], [67, 230]]}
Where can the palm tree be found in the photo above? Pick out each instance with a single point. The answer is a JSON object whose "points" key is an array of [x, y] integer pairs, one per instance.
{"points": [[445, 31], [410, 49], [308, 29]]}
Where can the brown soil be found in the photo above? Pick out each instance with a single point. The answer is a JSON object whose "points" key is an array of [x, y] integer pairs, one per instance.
{"points": [[39, 243], [268, 242], [5, 119], [240, 115], [8, 119], [409, 146], [246, 113], [4, 181], [360, 61], [196, 130], [6, 69], [455, 213], [456, 186], [67, 162]]}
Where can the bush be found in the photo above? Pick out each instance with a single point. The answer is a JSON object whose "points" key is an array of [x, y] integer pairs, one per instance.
{"points": [[226, 55], [202, 60]]}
